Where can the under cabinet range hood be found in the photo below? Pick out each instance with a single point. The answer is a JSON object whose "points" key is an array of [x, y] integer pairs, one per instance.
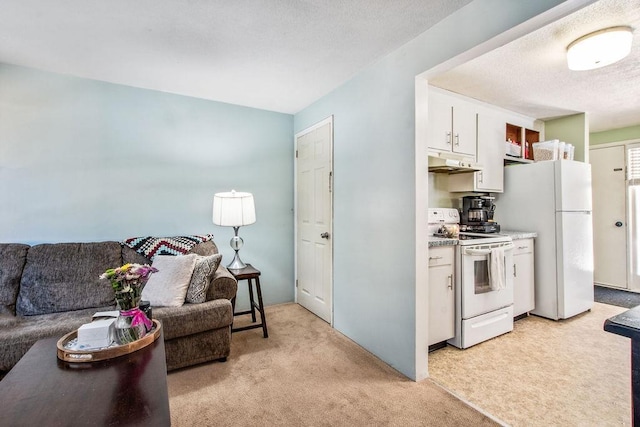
{"points": [[450, 163]]}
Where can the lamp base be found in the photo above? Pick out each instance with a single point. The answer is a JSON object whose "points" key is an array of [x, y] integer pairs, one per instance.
{"points": [[236, 263], [236, 243]]}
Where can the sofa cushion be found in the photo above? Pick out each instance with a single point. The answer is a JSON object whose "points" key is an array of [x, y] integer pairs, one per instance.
{"points": [[12, 259], [7, 320], [201, 278], [64, 276], [194, 318], [205, 248], [17, 337], [130, 256], [168, 287]]}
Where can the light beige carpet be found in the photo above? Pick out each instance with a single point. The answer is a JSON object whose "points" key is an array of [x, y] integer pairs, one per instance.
{"points": [[545, 373], [307, 374]]}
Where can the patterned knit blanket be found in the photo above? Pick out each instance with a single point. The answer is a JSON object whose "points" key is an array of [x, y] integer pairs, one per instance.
{"points": [[151, 246]]}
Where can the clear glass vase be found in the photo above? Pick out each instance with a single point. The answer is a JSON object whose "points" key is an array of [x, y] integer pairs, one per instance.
{"points": [[125, 331]]}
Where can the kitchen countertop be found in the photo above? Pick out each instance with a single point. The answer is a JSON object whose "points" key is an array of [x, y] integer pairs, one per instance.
{"points": [[441, 241], [515, 235]]}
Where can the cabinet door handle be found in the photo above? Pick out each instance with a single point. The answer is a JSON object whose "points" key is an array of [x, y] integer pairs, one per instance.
{"points": [[449, 138], [434, 257], [457, 139], [522, 247], [515, 274], [450, 281]]}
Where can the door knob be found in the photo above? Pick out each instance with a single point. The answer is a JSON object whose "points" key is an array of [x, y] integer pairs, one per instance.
{"points": [[325, 235], [618, 223]]}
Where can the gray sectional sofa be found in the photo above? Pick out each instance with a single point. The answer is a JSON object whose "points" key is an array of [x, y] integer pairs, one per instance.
{"points": [[48, 290]]}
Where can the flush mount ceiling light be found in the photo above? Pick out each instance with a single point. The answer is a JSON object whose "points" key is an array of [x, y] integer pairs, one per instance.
{"points": [[599, 49]]}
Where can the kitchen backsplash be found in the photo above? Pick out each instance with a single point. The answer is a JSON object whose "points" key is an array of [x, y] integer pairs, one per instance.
{"points": [[439, 195]]}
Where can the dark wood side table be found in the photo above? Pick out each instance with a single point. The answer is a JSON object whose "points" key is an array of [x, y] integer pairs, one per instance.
{"points": [[44, 390], [250, 274]]}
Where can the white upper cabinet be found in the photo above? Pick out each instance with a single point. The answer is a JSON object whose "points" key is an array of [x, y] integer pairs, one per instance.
{"points": [[490, 152], [490, 128], [452, 124], [476, 130]]}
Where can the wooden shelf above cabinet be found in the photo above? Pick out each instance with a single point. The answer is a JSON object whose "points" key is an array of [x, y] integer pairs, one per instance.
{"points": [[522, 140], [514, 133], [530, 136]]}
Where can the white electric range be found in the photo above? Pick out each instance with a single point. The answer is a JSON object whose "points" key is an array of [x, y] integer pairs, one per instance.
{"points": [[484, 301]]}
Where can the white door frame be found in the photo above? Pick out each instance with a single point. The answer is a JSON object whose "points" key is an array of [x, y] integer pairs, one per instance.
{"points": [[321, 123], [632, 221]]}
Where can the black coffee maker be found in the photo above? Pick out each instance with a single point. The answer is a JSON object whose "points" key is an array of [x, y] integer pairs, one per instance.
{"points": [[477, 215]]}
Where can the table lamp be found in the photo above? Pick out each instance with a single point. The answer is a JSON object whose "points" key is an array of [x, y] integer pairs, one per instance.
{"points": [[234, 209]]}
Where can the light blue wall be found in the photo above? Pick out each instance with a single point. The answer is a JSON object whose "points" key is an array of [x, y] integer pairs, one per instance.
{"points": [[374, 164], [82, 160]]}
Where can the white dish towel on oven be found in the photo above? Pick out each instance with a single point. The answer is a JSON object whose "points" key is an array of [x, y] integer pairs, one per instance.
{"points": [[497, 269]]}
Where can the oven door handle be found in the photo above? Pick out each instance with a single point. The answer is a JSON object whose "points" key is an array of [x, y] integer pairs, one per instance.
{"points": [[469, 251], [477, 251]]}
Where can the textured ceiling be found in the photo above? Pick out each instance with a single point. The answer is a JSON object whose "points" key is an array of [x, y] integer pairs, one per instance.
{"points": [[278, 55], [530, 75]]}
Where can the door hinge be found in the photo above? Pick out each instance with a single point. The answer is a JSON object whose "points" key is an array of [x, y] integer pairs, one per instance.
{"points": [[330, 181], [296, 283], [296, 154]]}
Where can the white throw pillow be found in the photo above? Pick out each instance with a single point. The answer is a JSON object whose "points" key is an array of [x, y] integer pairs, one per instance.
{"points": [[168, 287]]}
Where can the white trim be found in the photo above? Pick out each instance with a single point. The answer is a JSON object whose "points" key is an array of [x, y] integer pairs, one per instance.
{"points": [[328, 120], [422, 235], [316, 126], [632, 243]]}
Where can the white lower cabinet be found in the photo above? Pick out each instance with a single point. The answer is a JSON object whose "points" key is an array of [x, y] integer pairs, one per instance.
{"points": [[523, 279], [441, 294]]}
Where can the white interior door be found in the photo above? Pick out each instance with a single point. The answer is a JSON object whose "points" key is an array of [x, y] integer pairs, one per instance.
{"points": [[609, 219], [314, 248]]}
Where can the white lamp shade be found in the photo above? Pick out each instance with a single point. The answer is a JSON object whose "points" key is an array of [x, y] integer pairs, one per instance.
{"points": [[233, 209], [599, 49]]}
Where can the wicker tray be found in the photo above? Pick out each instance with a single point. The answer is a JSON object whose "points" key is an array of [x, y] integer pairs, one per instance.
{"points": [[69, 355]]}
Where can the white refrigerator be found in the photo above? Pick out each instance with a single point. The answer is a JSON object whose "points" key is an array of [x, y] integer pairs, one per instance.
{"points": [[553, 198]]}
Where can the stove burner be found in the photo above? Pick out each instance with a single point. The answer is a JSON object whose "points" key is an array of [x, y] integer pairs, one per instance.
{"points": [[483, 227], [470, 237]]}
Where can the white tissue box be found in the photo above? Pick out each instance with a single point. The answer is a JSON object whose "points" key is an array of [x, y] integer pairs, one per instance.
{"points": [[96, 334]]}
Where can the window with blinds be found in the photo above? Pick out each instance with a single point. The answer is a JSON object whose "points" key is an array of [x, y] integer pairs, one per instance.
{"points": [[633, 165]]}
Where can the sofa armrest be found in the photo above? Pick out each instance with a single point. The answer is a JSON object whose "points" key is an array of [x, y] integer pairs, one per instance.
{"points": [[223, 285]]}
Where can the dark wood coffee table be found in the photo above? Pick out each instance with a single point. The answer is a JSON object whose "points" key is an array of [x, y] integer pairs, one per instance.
{"points": [[127, 390]]}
